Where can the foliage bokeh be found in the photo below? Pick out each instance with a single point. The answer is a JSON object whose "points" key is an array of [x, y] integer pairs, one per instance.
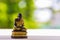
{"points": [[9, 10]]}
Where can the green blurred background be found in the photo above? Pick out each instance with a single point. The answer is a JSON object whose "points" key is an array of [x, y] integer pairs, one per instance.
{"points": [[9, 10], [37, 14]]}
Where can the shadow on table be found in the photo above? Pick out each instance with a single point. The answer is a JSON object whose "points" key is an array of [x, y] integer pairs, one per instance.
{"points": [[32, 38]]}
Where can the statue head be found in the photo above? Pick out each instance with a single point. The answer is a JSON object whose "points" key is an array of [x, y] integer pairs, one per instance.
{"points": [[20, 15]]}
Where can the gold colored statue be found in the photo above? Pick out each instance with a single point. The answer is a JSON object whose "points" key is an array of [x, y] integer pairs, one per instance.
{"points": [[19, 31]]}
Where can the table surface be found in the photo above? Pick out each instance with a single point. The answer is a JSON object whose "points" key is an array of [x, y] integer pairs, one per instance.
{"points": [[32, 38], [33, 34]]}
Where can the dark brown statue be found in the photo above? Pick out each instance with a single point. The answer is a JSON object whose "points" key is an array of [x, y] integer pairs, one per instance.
{"points": [[19, 30]]}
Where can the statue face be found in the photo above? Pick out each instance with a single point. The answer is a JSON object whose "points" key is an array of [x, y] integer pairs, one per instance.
{"points": [[20, 15]]}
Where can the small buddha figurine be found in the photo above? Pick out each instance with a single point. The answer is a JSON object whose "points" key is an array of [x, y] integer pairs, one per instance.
{"points": [[19, 30], [19, 23]]}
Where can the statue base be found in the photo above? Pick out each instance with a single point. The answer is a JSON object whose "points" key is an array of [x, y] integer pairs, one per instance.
{"points": [[19, 34]]}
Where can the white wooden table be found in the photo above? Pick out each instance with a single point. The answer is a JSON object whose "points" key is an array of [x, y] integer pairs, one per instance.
{"points": [[33, 34]]}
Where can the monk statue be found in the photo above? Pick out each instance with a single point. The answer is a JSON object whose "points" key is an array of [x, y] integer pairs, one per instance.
{"points": [[19, 31]]}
